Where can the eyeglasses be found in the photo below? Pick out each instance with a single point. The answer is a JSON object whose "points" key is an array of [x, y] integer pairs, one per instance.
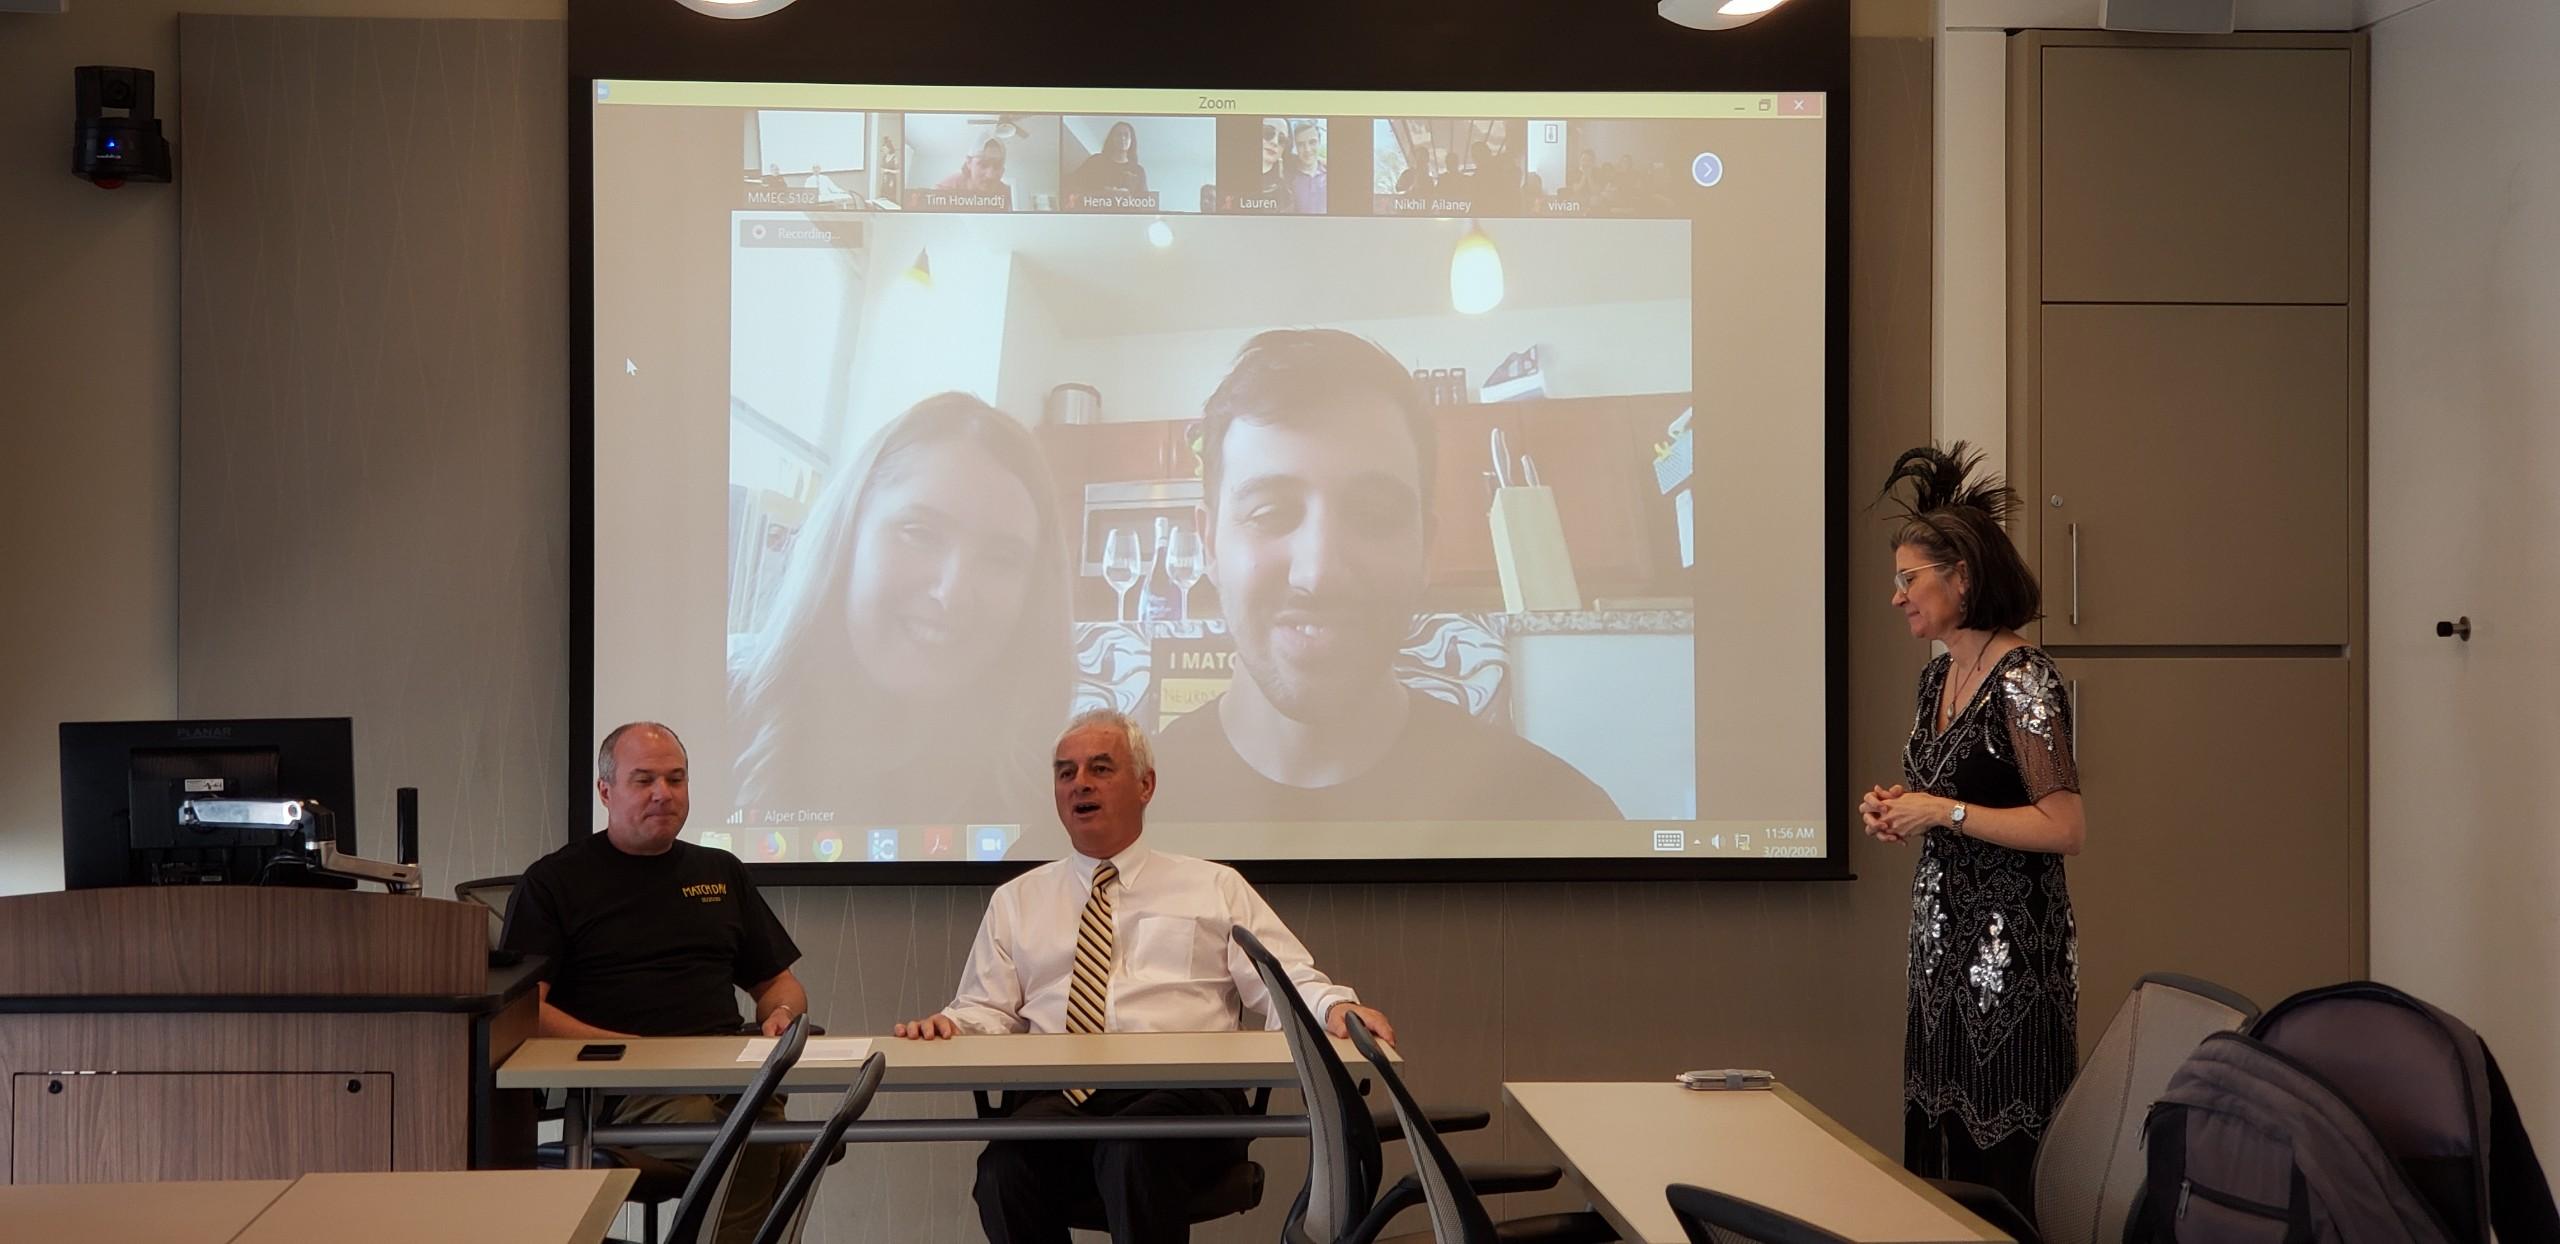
{"points": [[1902, 578]]}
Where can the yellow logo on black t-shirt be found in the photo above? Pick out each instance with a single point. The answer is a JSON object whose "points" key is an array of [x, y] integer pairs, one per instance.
{"points": [[708, 891]]}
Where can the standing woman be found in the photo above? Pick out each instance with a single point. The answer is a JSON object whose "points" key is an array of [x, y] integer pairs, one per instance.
{"points": [[1991, 790]]}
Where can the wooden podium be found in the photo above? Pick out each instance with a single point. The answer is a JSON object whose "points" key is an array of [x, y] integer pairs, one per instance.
{"points": [[234, 1032]]}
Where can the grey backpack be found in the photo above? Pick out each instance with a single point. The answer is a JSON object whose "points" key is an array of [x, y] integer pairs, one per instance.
{"points": [[2353, 1114]]}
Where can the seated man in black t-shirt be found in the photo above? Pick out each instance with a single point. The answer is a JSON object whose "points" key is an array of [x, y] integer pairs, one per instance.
{"points": [[1317, 464], [649, 936]]}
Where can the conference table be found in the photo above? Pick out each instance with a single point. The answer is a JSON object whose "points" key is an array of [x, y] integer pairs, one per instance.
{"points": [[981, 1064], [1627, 1142], [397, 1207]]}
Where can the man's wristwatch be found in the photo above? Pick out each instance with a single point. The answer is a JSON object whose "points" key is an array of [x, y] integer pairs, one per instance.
{"points": [[1955, 819]]}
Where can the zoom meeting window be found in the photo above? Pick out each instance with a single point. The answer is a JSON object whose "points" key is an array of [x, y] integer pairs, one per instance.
{"points": [[1437, 477]]}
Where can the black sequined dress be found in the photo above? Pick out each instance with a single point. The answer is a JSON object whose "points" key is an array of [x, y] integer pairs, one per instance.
{"points": [[1995, 966]]}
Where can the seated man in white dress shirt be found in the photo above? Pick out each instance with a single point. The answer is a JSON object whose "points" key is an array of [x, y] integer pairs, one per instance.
{"points": [[1117, 938]]}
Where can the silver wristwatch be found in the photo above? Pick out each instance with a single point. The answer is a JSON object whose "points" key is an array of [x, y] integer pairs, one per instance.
{"points": [[1955, 819]]}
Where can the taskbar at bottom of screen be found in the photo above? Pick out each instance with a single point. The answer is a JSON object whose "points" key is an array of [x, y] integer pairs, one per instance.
{"points": [[809, 837]]}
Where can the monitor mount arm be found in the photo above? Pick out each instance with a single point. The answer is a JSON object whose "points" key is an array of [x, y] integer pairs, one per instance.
{"points": [[308, 826]]}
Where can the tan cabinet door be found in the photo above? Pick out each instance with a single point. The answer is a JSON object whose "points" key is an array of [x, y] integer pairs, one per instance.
{"points": [[2197, 174], [2194, 475], [2219, 839], [137, 1127]]}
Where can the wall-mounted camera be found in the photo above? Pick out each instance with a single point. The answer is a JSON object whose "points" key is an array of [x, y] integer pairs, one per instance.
{"points": [[116, 138]]}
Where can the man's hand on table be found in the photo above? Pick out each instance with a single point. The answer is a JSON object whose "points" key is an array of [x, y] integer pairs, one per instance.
{"points": [[1375, 1019], [934, 1027]]}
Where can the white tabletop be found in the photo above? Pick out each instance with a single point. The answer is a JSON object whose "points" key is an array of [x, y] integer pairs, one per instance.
{"points": [[1628, 1142], [1025, 1061]]}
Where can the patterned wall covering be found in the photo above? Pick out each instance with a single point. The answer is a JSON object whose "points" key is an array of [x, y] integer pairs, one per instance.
{"points": [[373, 428], [374, 523]]}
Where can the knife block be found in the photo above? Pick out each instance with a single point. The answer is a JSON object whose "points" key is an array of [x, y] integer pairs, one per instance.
{"points": [[1529, 552]]}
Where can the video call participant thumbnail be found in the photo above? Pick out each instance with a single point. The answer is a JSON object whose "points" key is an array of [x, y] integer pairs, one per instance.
{"points": [[1448, 167], [1613, 168], [1139, 164], [981, 174], [961, 163], [1317, 459], [1274, 166], [1113, 169]]}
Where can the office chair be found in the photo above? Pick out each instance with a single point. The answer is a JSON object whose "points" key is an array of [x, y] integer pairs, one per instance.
{"points": [[693, 1209], [493, 893], [1711, 1217], [1341, 1203], [1451, 1197], [2089, 1168], [1238, 1191], [791, 1202]]}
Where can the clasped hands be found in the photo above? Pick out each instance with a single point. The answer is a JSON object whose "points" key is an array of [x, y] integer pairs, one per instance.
{"points": [[1891, 813], [937, 1026]]}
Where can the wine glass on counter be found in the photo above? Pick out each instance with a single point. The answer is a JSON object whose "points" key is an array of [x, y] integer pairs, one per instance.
{"points": [[1120, 566], [1183, 561]]}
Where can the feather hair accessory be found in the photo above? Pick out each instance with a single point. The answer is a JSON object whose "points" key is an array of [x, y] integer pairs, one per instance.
{"points": [[1950, 478]]}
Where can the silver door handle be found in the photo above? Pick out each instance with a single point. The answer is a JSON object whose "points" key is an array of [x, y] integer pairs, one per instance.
{"points": [[2075, 574]]}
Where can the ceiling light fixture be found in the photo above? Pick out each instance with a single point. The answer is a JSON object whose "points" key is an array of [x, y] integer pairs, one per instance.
{"points": [[734, 9], [1475, 273], [1716, 14]]}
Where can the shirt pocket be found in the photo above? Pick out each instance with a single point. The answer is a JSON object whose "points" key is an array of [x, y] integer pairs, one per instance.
{"points": [[1171, 948]]}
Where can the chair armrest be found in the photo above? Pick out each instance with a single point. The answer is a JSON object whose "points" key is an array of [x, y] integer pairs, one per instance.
{"points": [[1485, 1178], [1443, 1119], [1496, 1178], [1577, 1227]]}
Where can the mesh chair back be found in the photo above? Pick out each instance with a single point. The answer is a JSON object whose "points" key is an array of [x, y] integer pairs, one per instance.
{"points": [[693, 1209], [1343, 1156], [1457, 1216], [493, 893], [791, 1203], [1711, 1217], [2088, 1168]]}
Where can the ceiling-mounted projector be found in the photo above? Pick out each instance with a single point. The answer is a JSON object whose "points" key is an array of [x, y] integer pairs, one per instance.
{"points": [[1716, 14]]}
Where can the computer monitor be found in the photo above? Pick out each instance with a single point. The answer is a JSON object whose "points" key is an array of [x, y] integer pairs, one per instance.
{"points": [[122, 782]]}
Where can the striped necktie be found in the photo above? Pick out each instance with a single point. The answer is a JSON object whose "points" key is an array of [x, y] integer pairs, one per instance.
{"points": [[1088, 997]]}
